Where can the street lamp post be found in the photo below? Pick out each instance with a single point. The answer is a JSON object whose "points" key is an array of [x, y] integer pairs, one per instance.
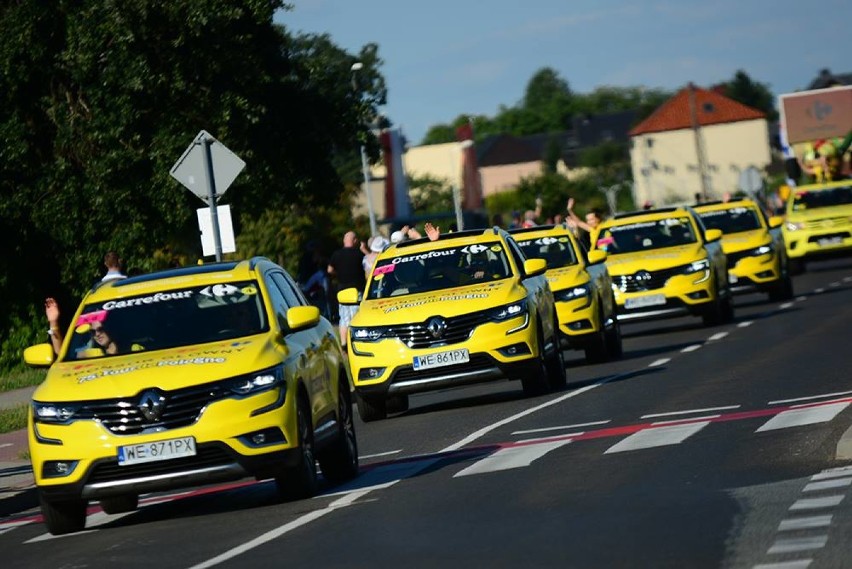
{"points": [[365, 167]]}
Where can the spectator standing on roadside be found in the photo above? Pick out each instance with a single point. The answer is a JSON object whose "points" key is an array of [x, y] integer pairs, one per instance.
{"points": [[346, 265], [531, 217], [587, 226], [378, 243], [113, 265]]}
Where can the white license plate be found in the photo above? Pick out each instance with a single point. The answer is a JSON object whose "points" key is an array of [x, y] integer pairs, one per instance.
{"points": [[441, 359], [829, 241], [643, 301], [156, 450]]}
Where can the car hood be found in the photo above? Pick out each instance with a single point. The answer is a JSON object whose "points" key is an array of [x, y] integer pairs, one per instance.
{"points": [[742, 241], [821, 213], [566, 277], [445, 302], [654, 260], [124, 376]]}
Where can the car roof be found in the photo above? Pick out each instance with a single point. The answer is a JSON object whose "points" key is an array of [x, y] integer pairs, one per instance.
{"points": [[444, 239], [719, 204], [647, 215]]}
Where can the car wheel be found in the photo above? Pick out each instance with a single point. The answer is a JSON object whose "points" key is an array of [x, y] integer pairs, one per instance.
{"points": [[555, 361], [713, 314], [372, 408], [796, 266], [120, 504], [300, 480], [536, 382], [596, 351], [614, 345], [339, 462], [65, 516], [783, 290]]}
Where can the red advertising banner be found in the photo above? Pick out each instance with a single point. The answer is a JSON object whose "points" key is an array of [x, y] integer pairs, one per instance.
{"points": [[817, 114]]}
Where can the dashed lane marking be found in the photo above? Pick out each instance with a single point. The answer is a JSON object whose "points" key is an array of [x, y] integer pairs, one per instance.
{"points": [[811, 522], [659, 362], [717, 336], [803, 416], [513, 457], [658, 436], [689, 411], [792, 545], [561, 427], [830, 484], [817, 503], [691, 348]]}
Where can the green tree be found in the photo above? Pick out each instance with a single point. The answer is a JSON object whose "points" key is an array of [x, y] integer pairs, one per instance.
{"points": [[743, 89]]}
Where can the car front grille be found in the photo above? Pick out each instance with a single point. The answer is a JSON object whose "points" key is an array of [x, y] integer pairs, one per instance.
{"points": [[181, 407], [827, 223], [645, 280], [208, 456], [458, 329]]}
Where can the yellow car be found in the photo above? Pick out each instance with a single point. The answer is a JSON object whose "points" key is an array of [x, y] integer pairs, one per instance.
{"points": [[582, 288], [753, 246], [819, 222], [186, 377], [663, 263], [466, 308]]}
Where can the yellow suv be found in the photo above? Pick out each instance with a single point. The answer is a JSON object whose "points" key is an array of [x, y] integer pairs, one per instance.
{"points": [[753, 245], [819, 222], [468, 307], [582, 288], [663, 262], [186, 377]]}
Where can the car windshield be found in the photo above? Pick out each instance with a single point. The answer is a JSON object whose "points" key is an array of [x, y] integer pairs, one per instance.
{"points": [[646, 235], [557, 251], [168, 319], [439, 269], [822, 198], [731, 220]]}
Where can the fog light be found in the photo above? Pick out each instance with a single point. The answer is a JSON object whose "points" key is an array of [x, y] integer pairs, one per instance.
{"points": [[58, 468], [371, 372], [518, 349], [765, 274], [580, 325], [698, 295], [258, 439], [270, 436]]}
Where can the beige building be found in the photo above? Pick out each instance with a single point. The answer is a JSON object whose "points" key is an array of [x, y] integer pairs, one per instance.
{"points": [[694, 130]]}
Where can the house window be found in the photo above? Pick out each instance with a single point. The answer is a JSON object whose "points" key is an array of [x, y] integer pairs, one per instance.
{"points": [[649, 142], [708, 107]]}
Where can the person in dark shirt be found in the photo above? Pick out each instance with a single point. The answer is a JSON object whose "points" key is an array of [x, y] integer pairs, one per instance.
{"points": [[346, 266]]}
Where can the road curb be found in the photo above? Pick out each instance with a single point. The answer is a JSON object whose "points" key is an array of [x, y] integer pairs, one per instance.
{"points": [[844, 446]]}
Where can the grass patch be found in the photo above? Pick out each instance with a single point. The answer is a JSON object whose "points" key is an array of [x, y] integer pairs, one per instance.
{"points": [[14, 419], [21, 378]]}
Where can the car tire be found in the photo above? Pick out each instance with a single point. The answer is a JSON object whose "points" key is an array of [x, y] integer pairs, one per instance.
{"points": [[555, 362], [63, 516], [339, 462], [535, 381], [300, 480], [120, 504], [783, 289], [372, 408], [614, 343], [714, 313], [597, 351], [796, 266]]}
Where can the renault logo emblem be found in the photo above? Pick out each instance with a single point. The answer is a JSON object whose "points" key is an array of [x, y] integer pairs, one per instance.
{"points": [[437, 326], [151, 405]]}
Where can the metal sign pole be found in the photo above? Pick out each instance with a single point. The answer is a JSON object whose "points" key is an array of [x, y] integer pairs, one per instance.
{"points": [[211, 187]]}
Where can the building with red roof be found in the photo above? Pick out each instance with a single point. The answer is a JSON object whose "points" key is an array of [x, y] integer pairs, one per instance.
{"points": [[696, 145]]}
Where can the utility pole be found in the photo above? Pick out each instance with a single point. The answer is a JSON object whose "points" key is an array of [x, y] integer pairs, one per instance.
{"points": [[699, 145], [365, 167]]}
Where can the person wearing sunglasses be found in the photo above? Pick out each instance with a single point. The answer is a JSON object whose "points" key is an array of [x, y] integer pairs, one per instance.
{"points": [[100, 336]]}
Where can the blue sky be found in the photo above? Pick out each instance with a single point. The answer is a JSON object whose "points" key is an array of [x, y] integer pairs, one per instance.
{"points": [[445, 58]]}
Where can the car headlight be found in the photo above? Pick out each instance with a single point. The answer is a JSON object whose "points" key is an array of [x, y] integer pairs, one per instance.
{"points": [[762, 250], [572, 293], [794, 226], [366, 334], [252, 383], [697, 266], [509, 311], [54, 412]]}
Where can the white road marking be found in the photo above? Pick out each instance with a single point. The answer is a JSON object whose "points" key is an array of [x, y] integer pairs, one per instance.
{"points": [[812, 522], [691, 348], [819, 290], [485, 430], [512, 457], [835, 284], [281, 530], [657, 436], [659, 362], [686, 421], [717, 336], [828, 484], [744, 324], [786, 305], [561, 427], [93, 521], [801, 298], [378, 454], [810, 398], [805, 416], [833, 473], [817, 503], [687, 412], [796, 564], [9, 526], [847, 279], [790, 545]]}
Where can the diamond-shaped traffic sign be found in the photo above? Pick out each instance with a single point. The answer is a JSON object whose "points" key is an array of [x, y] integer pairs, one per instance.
{"points": [[191, 168]]}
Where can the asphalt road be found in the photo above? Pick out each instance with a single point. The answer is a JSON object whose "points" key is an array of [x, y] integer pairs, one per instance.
{"points": [[701, 447]]}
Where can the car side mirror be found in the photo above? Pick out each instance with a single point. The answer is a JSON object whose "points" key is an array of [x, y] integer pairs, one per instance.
{"points": [[534, 267], [596, 256], [776, 221], [302, 317], [713, 235], [348, 296], [40, 355]]}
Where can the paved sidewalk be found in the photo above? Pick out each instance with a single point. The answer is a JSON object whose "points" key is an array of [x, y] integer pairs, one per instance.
{"points": [[17, 489]]}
